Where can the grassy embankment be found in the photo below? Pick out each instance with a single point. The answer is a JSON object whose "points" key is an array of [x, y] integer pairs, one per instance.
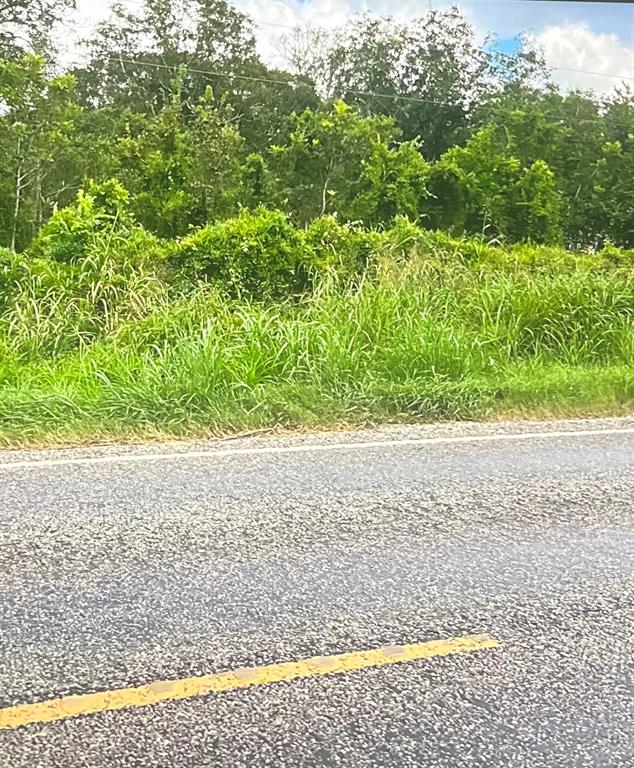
{"points": [[446, 331]]}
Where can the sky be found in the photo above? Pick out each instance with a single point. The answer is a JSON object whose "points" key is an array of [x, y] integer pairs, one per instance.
{"points": [[590, 37]]}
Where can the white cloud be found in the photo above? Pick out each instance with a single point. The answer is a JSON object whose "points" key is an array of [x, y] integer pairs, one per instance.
{"points": [[578, 47], [274, 19], [567, 46]]}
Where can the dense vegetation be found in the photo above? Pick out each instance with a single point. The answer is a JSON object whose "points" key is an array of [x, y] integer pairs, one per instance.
{"points": [[368, 122], [251, 321], [402, 225]]}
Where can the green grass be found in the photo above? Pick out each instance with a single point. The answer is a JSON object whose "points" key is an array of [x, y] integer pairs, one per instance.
{"points": [[420, 342]]}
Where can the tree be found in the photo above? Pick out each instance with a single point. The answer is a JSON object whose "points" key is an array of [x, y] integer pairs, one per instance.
{"points": [[25, 25], [583, 141], [484, 188], [180, 174], [613, 194], [319, 166], [135, 56], [374, 120], [613, 190], [42, 165], [264, 102], [393, 182], [535, 206], [427, 74], [337, 161], [306, 51], [215, 176]]}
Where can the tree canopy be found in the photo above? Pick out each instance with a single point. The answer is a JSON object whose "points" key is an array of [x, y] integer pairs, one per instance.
{"points": [[370, 122]]}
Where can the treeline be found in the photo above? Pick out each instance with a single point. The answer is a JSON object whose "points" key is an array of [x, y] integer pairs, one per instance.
{"points": [[370, 123]]}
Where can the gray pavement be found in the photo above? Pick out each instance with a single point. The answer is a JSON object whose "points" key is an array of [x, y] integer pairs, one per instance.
{"points": [[125, 572]]}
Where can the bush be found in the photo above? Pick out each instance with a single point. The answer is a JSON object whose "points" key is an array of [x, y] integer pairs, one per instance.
{"points": [[406, 240], [612, 256], [343, 249], [90, 268], [259, 253], [97, 214], [94, 269]]}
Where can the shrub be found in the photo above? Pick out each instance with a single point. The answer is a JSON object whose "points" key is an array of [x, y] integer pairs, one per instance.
{"points": [[90, 268], [346, 250], [407, 240], [70, 234], [403, 239], [612, 256], [258, 253]]}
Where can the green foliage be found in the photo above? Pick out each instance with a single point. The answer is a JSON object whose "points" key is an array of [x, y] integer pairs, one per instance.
{"points": [[259, 253], [433, 62], [58, 307], [343, 250], [372, 121], [181, 173], [392, 183], [425, 340], [616, 257], [408, 241], [400, 323], [583, 141], [153, 159], [93, 268], [207, 35], [327, 253], [40, 162], [483, 188], [536, 206], [90, 267], [613, 190], [76, 232], [217, 151], [256, 180], [319, 167]]}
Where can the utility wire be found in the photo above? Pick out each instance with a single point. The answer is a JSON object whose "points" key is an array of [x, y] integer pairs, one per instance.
{"points": [[294, 81], [489, 54]]}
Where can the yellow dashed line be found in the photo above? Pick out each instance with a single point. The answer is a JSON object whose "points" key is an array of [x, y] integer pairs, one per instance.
{"points": [[244, 677]]}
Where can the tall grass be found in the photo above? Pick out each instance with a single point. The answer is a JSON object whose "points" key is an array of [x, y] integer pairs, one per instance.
{"points": [[421, 341]]}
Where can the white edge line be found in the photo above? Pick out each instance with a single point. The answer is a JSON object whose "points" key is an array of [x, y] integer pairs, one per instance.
{"points": [[306, 448]]}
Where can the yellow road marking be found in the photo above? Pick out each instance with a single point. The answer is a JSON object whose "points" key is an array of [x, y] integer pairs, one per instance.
{"points": [[244, 677]]}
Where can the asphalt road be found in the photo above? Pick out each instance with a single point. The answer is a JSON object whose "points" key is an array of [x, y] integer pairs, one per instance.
{"points": [[134, 569]]}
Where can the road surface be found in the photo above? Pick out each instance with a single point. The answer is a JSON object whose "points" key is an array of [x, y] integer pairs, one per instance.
{"points": [[124, 566]]}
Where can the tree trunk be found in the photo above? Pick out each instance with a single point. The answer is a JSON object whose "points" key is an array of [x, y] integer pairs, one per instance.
{"points": [[18, 196]]}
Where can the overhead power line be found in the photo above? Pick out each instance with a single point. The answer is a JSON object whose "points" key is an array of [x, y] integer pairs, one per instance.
{"points": [[293, 82], [490, 54]]}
